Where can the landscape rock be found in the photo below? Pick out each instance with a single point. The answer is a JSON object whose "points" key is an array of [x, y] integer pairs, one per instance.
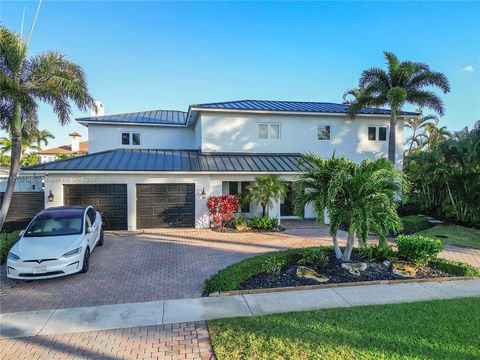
{"points": [[305, 272], [386, 263], [355, 268], [404, 270]]}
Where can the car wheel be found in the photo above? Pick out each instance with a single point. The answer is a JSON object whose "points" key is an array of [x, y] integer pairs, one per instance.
{"points": [[101, 239], [86, 261]]}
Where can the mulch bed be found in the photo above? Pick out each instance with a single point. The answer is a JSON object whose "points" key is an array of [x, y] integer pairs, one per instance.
{"points": [[231, 230], [336, 275]]}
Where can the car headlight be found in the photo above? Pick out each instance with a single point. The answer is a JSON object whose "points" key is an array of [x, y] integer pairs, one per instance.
{"points": [[13, 257], [72, 252]]}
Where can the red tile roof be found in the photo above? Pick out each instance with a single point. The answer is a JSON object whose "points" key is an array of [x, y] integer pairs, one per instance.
{"points": [[66, 149]]}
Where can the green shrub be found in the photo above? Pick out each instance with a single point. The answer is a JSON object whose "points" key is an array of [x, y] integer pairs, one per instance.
{"points": [[232, 276], [236, 220], [263, 223], [417, 248], [6, 242], [377, 253], [415, 223], [274, 265], [455, 268], [313, 257]]}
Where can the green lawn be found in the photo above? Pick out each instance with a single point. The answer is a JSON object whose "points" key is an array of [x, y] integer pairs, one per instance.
{"points": [[446, 329], [455, 235]]}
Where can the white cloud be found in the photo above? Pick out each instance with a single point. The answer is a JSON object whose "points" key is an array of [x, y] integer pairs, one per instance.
{"points": [[468, 69]]}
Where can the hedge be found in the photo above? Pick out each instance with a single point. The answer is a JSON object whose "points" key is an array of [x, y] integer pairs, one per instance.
{"points": [[454, 267], [6, 242]]}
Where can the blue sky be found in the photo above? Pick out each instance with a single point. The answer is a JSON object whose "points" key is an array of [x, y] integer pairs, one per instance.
{"points": [[162, 55]]}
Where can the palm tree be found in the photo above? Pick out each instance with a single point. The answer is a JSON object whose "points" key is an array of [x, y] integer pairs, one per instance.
{"points": [[404, 82], [265, 190], [436, 134], [353, 95], [362, 196], [42, 136], [24, 81], [418, 125]]}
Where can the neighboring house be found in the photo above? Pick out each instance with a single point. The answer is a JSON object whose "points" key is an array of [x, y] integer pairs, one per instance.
{"points": [[24, 183], [75, 148], [158, 168]]}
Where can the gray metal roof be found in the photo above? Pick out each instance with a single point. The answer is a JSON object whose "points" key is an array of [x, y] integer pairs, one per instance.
{"points": [[174, 160], [167, 117], [292, 106]]}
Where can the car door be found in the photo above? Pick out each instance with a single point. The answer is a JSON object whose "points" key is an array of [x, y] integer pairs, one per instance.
{"points": [[92, 215], [89, 232]]}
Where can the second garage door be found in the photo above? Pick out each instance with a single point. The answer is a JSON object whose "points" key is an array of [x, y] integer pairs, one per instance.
{"points": [[109, 199], [165, 205]]}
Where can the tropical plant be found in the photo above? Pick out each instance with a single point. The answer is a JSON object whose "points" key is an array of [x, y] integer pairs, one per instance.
{"points": [[221, 208], [436, 135], [265, 190], [31, 139], [404, 82], [4, 160], [445, 177], [315, 257], [360, 196], [65, 156], [42, 136], [263, 223], [49, 78], [418, 125], [30, 159]]}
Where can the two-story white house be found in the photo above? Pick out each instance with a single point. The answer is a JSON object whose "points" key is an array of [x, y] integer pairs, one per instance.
{"points": [[157, 168]]}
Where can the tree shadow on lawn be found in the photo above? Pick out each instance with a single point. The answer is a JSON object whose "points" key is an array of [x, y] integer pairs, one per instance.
{"points": [[427, 330]]}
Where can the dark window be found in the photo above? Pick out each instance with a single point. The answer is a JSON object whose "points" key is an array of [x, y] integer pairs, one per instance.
{"points": [[233, 187], [372, 131], [92, 215], [382, 133], [56, 223], [135, 138], [246, 205], [125, 138], [323, 132]]}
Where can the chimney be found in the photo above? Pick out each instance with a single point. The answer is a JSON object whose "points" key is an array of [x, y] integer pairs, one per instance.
{"points": [[75, 140], [100, 109]]}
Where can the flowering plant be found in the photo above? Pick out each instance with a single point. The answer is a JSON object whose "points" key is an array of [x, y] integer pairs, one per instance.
{"points": [[222, 207]]}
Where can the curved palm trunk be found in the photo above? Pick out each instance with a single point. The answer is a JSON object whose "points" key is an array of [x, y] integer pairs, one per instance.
{"points": [[413, 139], [16, 154], [350, 244], [392, 136], [338, 251]]}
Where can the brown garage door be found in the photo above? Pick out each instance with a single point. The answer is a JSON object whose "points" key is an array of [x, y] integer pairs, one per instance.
{"points": [[165, 205], [109, 199]]}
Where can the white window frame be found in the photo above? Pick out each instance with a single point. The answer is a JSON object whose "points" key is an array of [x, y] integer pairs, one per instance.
{"points": [[130, 138], [377, 132], [269, 123]]}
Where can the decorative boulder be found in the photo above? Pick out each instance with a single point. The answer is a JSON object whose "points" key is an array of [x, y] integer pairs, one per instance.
{"points": [[307, 273], [404, 270], [355, 268], [243, 227]]}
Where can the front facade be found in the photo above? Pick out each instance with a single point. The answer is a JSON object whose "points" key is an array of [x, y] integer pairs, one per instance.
{"points": [[157, 168]]}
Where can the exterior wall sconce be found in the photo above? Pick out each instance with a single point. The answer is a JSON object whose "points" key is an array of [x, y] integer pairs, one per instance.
{"points": [[203, 194], [50, 196]]}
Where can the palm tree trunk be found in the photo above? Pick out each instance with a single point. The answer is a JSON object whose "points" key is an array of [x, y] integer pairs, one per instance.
{"points": [[350, 244], [14, 163], [392, 136], [263, 210], [413, 139], [338, 251]]}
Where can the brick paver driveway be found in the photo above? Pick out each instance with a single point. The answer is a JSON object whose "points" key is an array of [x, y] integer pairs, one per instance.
{"points": [[162, 264]]}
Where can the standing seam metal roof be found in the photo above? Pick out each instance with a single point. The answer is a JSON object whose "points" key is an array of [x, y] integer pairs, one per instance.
{"points": [[167, 117], [174, 160]]}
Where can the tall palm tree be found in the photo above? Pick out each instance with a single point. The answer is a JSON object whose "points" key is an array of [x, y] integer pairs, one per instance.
{"points": [[436, 134], [418, 125], [42, 136], [404, 82], [265, 190], [49, 77], [362, 196]]}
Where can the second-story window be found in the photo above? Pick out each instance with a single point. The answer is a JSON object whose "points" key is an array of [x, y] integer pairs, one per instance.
{"points": [[130, 138], [377, 132], [269, 131], [323, 132]]}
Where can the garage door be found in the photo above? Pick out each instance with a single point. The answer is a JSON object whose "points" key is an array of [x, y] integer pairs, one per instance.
{"points": [[109, 199], [165, 205]]}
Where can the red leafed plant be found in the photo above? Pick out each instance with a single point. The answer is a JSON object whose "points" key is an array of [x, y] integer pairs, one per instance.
{"points": [[222, 207]]}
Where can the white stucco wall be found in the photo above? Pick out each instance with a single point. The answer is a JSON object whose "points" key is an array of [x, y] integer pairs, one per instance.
{"points": [[226, 132], [107, 137]]}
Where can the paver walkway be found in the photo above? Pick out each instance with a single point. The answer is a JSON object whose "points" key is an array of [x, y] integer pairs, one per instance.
{"points": [[163, 264]]}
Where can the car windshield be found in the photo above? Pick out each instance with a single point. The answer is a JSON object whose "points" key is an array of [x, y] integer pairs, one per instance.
{"points": [[57, 223]]}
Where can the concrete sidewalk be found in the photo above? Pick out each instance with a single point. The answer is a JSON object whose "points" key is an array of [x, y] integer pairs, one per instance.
{"points": [[121, 316]]}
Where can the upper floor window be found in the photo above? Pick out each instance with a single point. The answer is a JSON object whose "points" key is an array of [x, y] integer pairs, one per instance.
{"points": [[379, 132], [269, 131], [323, 132], [130, 138]]}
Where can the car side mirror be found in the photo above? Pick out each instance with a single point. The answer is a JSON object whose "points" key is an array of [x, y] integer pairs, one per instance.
{"points": [[21, 232]]}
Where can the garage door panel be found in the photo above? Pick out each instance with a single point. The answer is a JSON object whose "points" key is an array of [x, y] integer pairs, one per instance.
{"points": [[109, 199], [165, 205]]}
